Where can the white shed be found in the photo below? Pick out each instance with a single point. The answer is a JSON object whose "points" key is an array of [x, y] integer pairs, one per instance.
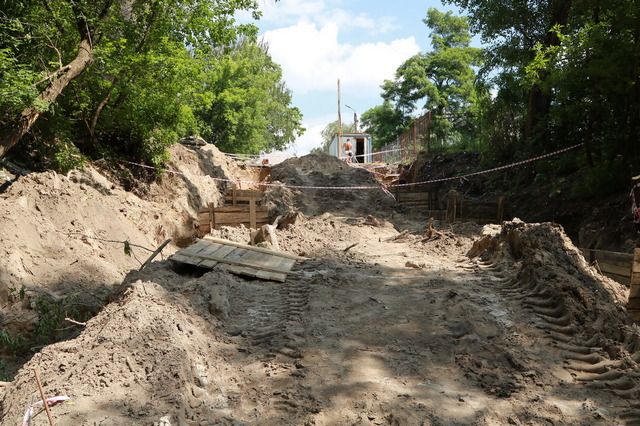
{"points": [[362, 146]]}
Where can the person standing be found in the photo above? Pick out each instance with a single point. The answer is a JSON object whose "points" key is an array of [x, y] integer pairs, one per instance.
{"points": [[348, 150], [635, 202]]}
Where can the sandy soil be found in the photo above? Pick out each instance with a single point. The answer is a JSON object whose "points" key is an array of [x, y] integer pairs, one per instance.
{"points": [[378, 327], [61, 237]]}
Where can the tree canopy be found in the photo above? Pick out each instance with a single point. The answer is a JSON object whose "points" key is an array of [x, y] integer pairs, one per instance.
{"points": [[564, 71], [332, 129], [441, 81], [129, 78]]}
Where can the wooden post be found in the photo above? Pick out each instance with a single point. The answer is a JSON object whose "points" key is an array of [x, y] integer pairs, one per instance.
{"points": [[212, 217], [252, 214], [233, 194], [44, 399], [452, 205], [415, 140], [500, 209], [633, 305]]}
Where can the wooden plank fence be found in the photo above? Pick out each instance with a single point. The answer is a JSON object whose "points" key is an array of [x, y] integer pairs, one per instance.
{"points": [[615, 265], [242, 207], [633, 305], [457, 208]]}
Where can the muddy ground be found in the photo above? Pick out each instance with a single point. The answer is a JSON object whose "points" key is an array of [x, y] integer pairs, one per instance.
{"points": [[377, 327]]}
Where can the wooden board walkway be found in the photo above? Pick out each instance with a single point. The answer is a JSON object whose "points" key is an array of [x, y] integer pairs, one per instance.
{"points": [[237, 258]]}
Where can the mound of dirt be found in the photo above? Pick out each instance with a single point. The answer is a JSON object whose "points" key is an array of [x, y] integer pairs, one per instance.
{"points": [[550, 263], [325, 170], [146, 356], [196, 186], [581, 310], [62, 238]]}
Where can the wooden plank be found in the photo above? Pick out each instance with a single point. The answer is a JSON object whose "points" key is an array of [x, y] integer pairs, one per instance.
{"points": [[622, 279], [242, 199], [611, 256], [255, 260], [636, 264], [614, 269], [415, 203], [212, 216], [270, 276], [221, 253], [240, 208], [252, 214], [253, 248], [246, 193], [237, 224], [413, 196], [633, 305], [194, 248], [500, 209], [182, 258], [223, 218], [227, 260], [212, 250]]}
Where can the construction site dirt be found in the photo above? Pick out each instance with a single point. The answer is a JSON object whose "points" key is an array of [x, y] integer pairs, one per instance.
{"points": [[386, 320]]}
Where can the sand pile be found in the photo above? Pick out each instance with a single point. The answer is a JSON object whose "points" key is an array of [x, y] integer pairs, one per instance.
{"points": [[325, 170], [551, 266], [197, 186], [581, 311], [155, 352], [62, 238]]}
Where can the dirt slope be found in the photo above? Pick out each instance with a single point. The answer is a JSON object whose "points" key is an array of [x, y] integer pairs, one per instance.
{"points": [[602, 222], [61, 237]]}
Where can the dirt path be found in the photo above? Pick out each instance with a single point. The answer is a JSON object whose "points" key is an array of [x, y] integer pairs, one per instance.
{"points": [[387, 344]]}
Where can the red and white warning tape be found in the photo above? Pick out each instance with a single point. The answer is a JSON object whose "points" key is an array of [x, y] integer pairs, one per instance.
{"points": [[363, 187]]}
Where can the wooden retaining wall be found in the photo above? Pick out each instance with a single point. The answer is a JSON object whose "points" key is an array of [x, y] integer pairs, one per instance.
{"points": [[455, 208], [614, 265], [242, 207], [633, 306]]}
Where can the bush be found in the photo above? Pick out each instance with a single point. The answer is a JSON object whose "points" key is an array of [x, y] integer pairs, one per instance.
{"points": [[66, 157], [604, 179]]}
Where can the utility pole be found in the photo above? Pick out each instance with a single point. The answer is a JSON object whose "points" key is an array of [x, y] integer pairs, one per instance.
{"points": [[339, 124], [355, 118]]}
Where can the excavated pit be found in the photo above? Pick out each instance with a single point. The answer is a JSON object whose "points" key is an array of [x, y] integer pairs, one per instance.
{"points": [[377, 327]]}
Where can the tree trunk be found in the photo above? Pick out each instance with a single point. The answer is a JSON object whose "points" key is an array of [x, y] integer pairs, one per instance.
{"points": [[10, 136], [539, 102]]}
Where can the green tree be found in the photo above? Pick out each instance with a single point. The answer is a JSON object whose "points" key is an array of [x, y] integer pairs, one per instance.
{"points": [[51, 44], [384, 123], [565, 71], [331, 130], [441, 81], [248, 107]]}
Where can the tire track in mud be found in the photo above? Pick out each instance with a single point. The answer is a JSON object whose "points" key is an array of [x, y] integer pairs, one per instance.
{"points": [[271, 317], [584, 355]]}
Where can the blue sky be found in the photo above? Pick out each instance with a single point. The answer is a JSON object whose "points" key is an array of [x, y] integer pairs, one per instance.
{"points": [[361, 42]]}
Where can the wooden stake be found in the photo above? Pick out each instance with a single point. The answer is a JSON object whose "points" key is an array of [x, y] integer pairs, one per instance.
{"points": [[154, 254], [44, 400], [252, 214]]}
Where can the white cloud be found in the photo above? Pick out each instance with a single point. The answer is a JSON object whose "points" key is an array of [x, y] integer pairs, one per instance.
{"points": [[313, 58], [322, 12]]}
